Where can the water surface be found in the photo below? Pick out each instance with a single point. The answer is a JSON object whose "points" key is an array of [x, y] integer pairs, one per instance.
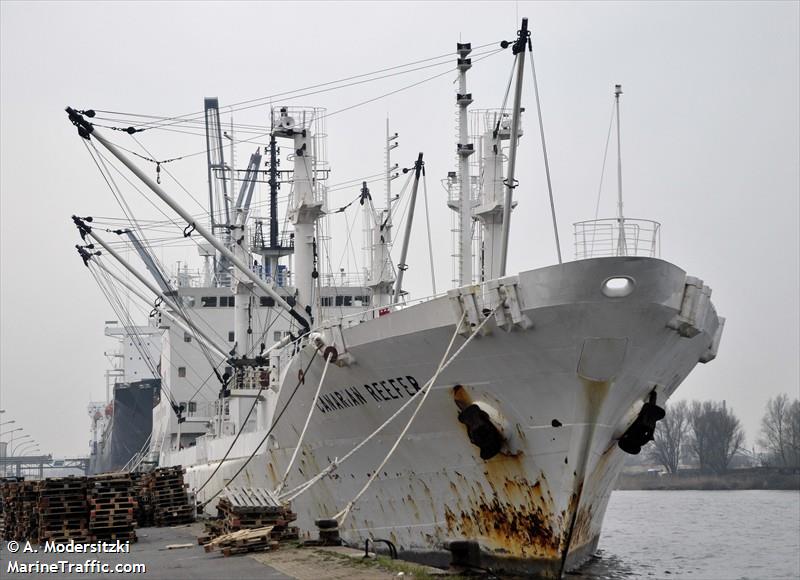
{"points": [[702, 535]]}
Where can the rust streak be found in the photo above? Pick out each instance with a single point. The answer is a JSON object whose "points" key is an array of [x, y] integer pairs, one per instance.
{"points": [[516, 517], [461, 397]]}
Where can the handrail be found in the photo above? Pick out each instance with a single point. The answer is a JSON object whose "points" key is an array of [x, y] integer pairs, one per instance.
{"points": [[617, 237]]}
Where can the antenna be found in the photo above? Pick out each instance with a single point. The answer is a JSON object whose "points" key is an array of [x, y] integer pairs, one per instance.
{"points": [[622, 249], [391, 143]]}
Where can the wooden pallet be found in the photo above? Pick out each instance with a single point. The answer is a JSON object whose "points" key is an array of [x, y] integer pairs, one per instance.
{"points": [[112, 506]]}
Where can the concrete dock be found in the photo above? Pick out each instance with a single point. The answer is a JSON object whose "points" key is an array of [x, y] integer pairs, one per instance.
{"points": [[174, 554]]}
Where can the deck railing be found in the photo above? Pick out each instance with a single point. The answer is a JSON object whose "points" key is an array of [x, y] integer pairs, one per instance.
{"points": [[617, 237]]}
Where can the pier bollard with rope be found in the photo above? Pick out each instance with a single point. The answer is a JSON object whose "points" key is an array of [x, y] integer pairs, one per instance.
{"points": [[328, 532]]}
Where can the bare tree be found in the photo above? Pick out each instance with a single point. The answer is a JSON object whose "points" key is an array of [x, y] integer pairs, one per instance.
{"points": [[670, 436], [793, 439], [716, 435], [774, 428], [780, 431]]}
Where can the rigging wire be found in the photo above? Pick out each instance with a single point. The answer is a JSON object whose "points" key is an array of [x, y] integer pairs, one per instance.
{"points": [[428, 222], [311, 408], [131, 130], [129, 214], [427, 388], [603, 168], [602, 173], [175, 179], [275, 421], [107, 288], [544, 153], [350, 107], [303, 487], [235, 439], [240, 105], [188, 364], [180, 306]]}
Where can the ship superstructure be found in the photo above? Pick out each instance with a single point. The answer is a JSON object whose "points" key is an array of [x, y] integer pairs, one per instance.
{"points": [[486, 424]]}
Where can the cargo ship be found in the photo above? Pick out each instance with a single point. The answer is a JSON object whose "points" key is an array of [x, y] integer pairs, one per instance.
{"points": [[485, 425]]}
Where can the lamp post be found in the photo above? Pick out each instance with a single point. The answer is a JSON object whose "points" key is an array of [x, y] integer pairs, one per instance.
{"points": [[32, 446], [25, 443], [6, 446], [10, 431], [22, 448], [26, 436], [11, 440], [16, 453]]}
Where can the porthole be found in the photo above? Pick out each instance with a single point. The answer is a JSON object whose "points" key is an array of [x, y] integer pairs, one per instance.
{"points": [[618, 286]]}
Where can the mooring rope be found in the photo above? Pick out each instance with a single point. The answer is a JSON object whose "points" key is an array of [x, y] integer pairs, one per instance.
{"points": [[282, 484], [303, 487], [342, 515]]}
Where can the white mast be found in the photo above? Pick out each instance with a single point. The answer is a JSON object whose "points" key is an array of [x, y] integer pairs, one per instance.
{"points": [[391, 143], [305, 208], [519, 50], [622, 246], [402, 266], [381, 275], [241, 287], [490, 209], [464, 150]]}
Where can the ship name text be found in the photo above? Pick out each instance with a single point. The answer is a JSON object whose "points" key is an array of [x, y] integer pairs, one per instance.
{"points": [[379, 391]]}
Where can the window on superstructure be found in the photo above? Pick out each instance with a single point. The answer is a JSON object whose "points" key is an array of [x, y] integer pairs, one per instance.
{"points": [[327, 300], [231, 336], [267, 301], [187, 301], [208, 301], [277, 335], [228, 301], [192, 407], [344, 301], [182, 372], [290, 300], [187, 337]]}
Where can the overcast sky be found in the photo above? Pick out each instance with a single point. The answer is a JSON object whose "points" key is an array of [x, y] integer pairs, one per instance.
{"points": [[710, 149]]}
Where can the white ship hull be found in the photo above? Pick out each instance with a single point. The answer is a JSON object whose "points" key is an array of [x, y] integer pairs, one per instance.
{"points": [[564, 390]]}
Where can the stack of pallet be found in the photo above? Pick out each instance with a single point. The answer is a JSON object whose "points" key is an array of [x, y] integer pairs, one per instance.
{"points": [[7, 496], [250, 519], [3, 511], [20, 517], [62, 510], [169, 498], [22, 521], [111, 507], [243, 541], [144, 500]]}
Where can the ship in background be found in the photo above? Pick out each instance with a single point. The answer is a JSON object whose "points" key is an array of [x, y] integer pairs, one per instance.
{"points": [[122, 424], [486, 424]]}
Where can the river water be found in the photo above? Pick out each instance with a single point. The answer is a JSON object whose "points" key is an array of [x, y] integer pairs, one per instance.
{"points": [[702, 535]]}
